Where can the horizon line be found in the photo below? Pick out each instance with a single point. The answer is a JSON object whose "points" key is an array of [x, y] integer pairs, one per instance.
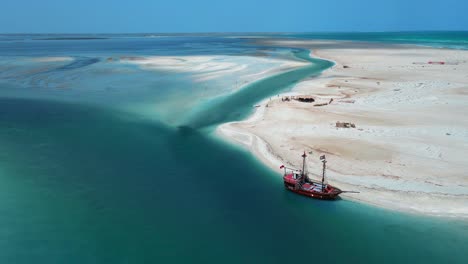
{"points": [[234, 32]]}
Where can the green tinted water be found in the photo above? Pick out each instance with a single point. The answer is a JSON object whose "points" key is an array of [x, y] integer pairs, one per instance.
{"points": [[87, 184], [82, 185]]}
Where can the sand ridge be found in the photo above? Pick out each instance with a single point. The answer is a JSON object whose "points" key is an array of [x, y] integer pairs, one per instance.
{"points": [[209, 67]]}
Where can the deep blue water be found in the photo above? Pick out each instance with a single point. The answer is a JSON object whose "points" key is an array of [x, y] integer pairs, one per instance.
{"points": [[450, 39], [87, 177]]}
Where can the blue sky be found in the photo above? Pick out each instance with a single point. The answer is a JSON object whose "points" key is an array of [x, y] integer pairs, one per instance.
{"points": [[120, 16]]}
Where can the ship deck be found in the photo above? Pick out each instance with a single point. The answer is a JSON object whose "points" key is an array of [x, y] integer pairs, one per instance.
{"points": [[316, 187]]}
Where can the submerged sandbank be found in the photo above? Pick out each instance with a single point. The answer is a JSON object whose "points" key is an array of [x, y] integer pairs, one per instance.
{"points": [[209, 67], [407, 150]]}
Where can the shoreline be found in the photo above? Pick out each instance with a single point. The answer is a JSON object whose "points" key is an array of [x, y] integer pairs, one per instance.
{"points": [[381, 191]]}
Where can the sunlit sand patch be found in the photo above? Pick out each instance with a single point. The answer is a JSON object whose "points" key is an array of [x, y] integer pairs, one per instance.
{"points": [[347, 148]]}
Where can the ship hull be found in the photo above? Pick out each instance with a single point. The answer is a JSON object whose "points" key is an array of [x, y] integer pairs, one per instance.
{"points": [[315, 195]]}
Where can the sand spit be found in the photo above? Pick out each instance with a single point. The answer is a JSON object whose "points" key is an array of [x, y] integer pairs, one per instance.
{"points": [[408, 149]]}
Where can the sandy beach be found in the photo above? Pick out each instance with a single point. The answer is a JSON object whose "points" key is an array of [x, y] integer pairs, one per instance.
{"points": [[408, 148]]}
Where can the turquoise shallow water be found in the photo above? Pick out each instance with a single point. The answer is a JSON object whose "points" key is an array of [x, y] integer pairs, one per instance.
{"points": [[83, 182]]}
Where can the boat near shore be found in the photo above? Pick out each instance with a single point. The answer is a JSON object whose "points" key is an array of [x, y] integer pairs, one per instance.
{"points": [[297, 181]]}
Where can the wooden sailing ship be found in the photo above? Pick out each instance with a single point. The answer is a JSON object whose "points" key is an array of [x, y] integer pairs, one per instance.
{"points": [[298, 182]]}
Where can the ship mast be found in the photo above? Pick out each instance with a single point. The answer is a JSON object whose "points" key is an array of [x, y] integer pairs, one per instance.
{"points": [[324, 162], [304, 174], [303, 163]]}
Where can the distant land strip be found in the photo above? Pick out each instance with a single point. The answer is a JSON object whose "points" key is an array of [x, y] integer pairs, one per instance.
{"points": [[72, 38]]}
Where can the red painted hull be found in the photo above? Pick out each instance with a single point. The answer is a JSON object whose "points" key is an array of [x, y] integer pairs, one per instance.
{"points": [[316, 195], [312, 189]]}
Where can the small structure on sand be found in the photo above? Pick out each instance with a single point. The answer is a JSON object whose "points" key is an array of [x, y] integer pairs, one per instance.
{"points": [[436, 62], [345, 125], [305, 98], [324, 103]]}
